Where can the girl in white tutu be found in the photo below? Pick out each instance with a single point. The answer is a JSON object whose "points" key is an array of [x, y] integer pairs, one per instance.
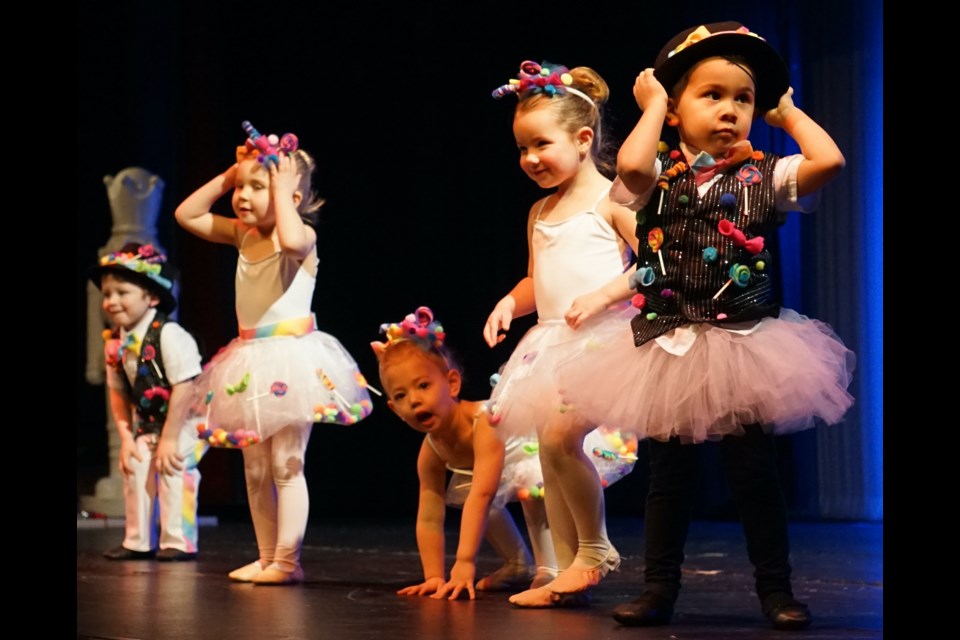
{"points": [[577, 240], [265, 389], [422, 382], [712, 355]]}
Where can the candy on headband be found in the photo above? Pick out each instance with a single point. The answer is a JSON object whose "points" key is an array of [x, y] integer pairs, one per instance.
{"points": [[266, 149], [418, 326], [546, 78]]}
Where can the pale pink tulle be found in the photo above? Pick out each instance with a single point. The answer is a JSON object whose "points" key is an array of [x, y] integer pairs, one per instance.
{"points": [[787, 375]]}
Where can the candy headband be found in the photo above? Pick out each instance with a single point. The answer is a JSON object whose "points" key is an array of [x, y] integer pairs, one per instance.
{"points": [[418, 326], [146, 261], [264, 148], [541, 78]]}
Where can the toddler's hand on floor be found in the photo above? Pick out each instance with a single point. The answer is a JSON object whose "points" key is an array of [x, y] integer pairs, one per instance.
{"points": [[425, 588]]}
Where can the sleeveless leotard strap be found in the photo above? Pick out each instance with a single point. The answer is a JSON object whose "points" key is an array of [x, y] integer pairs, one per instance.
{"points": [[594, 209]]}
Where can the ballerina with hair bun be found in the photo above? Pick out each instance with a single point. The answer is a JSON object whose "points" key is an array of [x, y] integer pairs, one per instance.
{"points": [[578, 270]]}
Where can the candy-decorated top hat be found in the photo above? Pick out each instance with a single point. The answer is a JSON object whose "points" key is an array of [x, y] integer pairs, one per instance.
{"points": [[725, 39]]}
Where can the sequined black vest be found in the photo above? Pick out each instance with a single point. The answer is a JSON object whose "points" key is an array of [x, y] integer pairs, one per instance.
{"points": [[150, 391], [687, 291]]}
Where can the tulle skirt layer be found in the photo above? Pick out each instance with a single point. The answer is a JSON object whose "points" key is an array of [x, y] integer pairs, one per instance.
{"points": [[522, 477], [253, 388], [788, 374], [527, 394]]}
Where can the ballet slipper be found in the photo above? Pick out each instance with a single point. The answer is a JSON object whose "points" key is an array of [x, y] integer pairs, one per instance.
{"points": [[275, 575], [246, 573], [509, 577], [543, 598], [539, 598], [544, 576], [580, 576]]}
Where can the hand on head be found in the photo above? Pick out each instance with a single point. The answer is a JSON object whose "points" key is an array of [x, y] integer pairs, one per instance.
{"points": [[647, 90], [284, 177], [777, 116]]}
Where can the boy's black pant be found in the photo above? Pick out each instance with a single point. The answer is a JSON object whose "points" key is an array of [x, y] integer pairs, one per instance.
{"points": [[750, 466]]}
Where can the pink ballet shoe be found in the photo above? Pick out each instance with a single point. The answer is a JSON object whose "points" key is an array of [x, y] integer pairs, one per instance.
{"points": [[539, 598], [246, 573], [543, 598], [580, 577], [509, 577], [275, 575]]}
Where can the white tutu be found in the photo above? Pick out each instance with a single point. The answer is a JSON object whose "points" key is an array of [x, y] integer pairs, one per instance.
{"points": [[254, 387], [528, 392], [522, 477], [786, 374]]}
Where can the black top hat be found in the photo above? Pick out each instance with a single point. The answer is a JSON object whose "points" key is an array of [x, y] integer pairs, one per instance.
{"points": [[144, 265], [725, 39]]}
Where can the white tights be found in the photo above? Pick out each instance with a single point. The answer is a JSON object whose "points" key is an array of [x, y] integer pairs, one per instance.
{"points": [[277, 491], [574, 495], [503, 536]]}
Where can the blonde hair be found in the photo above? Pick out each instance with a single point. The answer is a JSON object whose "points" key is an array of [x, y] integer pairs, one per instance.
{"points": [[573, 112]]}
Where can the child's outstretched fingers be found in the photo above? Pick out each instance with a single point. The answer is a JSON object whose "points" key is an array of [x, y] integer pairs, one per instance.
{"points": [[425, 588], [455, 588]]}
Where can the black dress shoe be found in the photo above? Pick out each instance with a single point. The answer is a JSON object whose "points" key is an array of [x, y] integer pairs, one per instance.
{"points": [[786, 613], [649, 610], [122, 553], [175, 555]]}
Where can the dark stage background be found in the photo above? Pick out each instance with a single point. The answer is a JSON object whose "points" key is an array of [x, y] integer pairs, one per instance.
{"points": [[427, 204]]}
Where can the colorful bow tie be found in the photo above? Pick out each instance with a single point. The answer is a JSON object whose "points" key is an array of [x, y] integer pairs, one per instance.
{"points": [[705, 167], [131, 343]]}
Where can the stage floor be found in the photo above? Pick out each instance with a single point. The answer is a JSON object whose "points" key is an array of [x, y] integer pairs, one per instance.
{"points": [[353, 569]]}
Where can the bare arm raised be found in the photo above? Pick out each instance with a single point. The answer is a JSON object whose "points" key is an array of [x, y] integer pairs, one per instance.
{"points": [[635, 160], [823, 160]]}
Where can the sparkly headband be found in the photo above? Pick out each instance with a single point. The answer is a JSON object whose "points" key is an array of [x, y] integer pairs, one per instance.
{"points": [[264, 148], [418, 326], [545, 78], [146, 261]]}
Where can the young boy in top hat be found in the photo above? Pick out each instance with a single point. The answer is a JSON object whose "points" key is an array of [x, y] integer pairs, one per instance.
{"points": [[760, 369], [151, 362]]}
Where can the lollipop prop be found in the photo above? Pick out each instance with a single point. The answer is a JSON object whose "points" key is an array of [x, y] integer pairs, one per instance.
{"points": [[655, 240], [748, 175], [363, 383], [663, 182], [739, 275], [328, 383]]}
